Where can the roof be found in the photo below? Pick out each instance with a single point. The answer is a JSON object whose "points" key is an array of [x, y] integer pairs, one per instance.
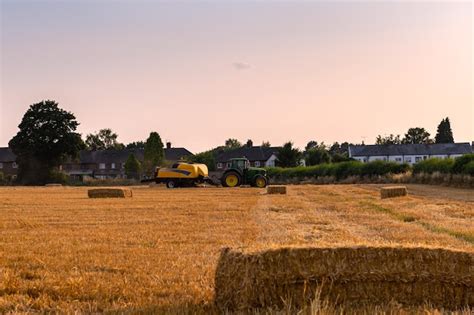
{"points": [[410, 149], [121, 156], [257, 153], [7, 155]]}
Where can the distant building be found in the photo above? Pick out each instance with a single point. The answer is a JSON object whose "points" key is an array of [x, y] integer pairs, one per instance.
{"points": [[8, 165], [408, 153], [102, 164], [258, 156], [109, 164]]}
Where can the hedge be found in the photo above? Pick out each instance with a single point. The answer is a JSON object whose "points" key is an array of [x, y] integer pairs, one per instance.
{"points": [[433, 165], [461, 165], [340, 170]]}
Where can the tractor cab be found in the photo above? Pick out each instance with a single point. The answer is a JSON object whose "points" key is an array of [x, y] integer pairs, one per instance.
{"points": [[239, 163], [240, 173]]}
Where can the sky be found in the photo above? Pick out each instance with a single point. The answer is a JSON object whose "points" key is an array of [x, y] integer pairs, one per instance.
{"points": [[201, 72]]}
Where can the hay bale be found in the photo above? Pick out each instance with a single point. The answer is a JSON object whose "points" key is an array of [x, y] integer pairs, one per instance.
{"points": [[274, 189], [393, 191], [109, 193], [349, 275]]}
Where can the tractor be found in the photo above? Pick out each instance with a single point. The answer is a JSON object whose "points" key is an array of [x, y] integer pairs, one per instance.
{"points": [[240, 173]]}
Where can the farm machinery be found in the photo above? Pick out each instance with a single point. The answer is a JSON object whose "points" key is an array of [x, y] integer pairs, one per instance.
{"points": [[185, 174]]}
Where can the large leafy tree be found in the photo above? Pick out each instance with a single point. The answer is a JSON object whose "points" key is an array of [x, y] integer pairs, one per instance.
{"points": [[444, 133], [317, 155], [311, 145], [288, 156], [207, 157], [46, 138], [154, 154], [103, 140], [391, 139], [132, 167], [232, 143], [417, 135]]}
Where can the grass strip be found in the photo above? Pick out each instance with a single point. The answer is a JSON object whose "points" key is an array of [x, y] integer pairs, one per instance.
{"points": [[468, 237]]}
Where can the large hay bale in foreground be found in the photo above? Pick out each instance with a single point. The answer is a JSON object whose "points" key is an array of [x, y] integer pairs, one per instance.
{"points": [[393, 191], [109, 193], [276, 189], [353, 275]]}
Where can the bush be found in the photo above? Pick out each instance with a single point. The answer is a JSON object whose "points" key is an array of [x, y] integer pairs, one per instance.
{"points": [[461, 162], [468, 168], [433, 165], [2, 179], [339, 171]]}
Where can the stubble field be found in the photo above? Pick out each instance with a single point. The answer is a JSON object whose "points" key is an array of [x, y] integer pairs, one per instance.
{"points": [[158, 251]]}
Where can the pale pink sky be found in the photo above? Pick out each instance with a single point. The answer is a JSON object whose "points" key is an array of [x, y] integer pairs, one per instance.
{"points": [[201, 72]]}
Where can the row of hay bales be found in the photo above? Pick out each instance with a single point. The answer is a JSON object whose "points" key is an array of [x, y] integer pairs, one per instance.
{"points": [[352, 275]]}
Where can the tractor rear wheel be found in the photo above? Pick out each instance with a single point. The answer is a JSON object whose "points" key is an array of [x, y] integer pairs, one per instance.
{"points": [[260, 181], [231, 179]]}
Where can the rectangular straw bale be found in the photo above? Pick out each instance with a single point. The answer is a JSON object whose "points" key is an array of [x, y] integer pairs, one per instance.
{"points": [[350, 275], [109, 193], [393, 191], [276, 189]]}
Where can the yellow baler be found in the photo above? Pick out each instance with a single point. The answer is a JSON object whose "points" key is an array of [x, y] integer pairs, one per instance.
{"points": [[182, 174]]}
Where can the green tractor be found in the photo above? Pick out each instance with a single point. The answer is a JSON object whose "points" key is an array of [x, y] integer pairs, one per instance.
{"points": [[240, 173]]}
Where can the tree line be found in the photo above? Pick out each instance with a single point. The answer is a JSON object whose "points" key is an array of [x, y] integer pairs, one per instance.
{"points": [[47, 138]]}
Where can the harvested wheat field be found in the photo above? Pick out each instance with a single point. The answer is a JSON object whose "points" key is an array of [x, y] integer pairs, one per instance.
{"points": [[159, 251]]}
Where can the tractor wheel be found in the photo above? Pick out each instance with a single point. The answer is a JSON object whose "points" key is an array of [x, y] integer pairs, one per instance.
{"points": [[260, 181], [171, 184], [231, 179]]}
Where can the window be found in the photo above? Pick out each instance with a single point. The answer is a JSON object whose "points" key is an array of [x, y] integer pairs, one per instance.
{"points": [[102, 166], [123, 165], [408, 159], [1, 165], [14, 165], [398, 159], [257, 163], [418, 158], [228, 165], [112, 166], [219, 165]]}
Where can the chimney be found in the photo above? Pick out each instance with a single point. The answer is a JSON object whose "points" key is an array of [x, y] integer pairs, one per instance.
{"points": [[168, 145]]}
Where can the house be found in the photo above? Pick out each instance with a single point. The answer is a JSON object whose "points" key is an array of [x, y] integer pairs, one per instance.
{"points": [[105, 164], [258, 156], [408, 153], [8, 165]]}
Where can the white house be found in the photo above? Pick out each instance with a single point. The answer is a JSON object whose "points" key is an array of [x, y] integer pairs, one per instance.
{"points": [[408, 153]]}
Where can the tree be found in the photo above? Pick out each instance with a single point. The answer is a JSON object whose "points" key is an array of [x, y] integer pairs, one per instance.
{"points": [[232, 143], [136, 145], [207, 157], [46, 138], [132, 167], [288, 156], [444, 133], [249, 143], [311, 145], [103, 140], [388, 140], [339, 152], [417, 136], [266, 144], [316, 156], [154, 154]]}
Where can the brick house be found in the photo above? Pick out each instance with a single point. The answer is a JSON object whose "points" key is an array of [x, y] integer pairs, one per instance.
{"points": [[8, 165], [107, 164], [258, 156]]}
